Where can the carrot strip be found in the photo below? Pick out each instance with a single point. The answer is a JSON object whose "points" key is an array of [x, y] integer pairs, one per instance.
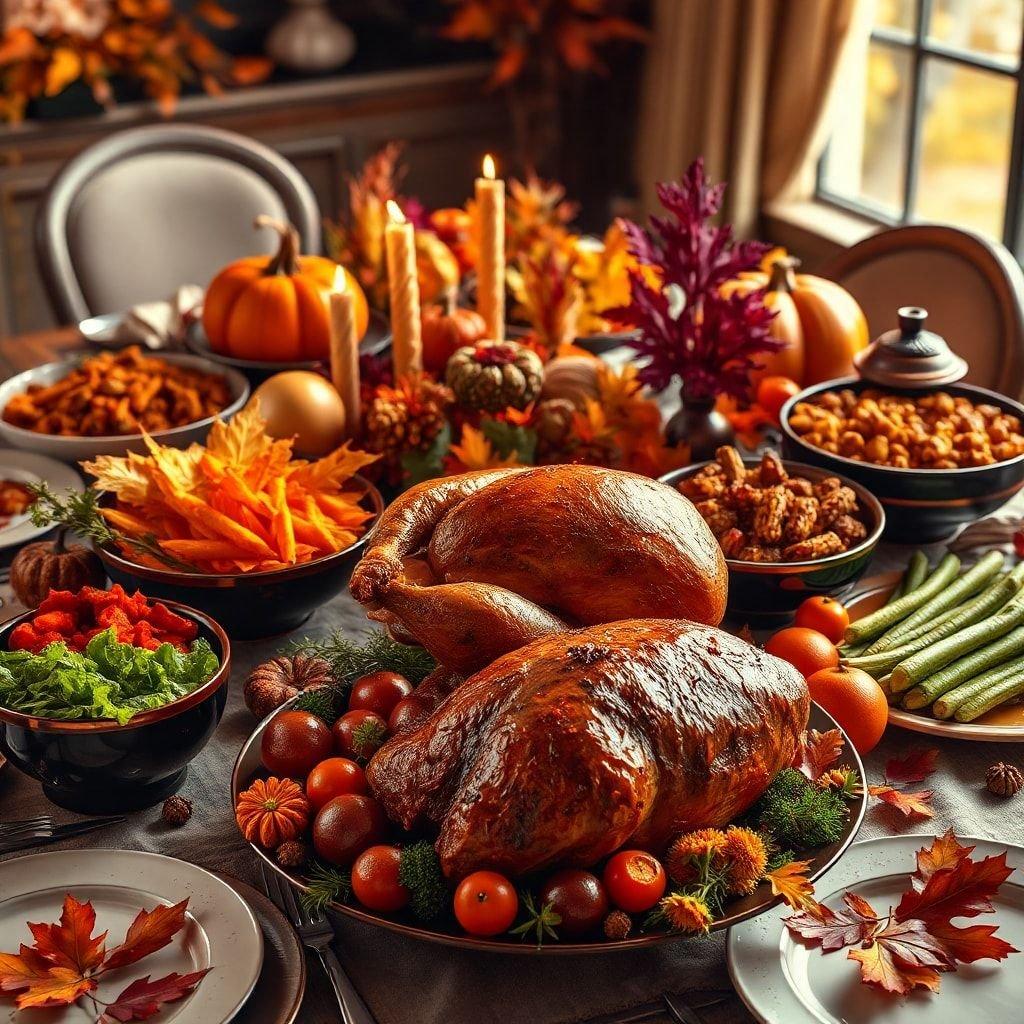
{"points": [[281, 524]]}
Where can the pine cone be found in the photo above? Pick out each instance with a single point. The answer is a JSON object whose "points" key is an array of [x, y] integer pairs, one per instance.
{"points": [[617, 925], [1004, 779], [176, 810]]}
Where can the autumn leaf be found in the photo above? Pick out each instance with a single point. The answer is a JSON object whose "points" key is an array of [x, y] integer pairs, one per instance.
{"points": [[975, 942], [915, 767], [962, 891], [835, 929], [70, 943], [945, 852], [817, 751], [909, 804], [912, 944], [151, 930], [901, 771], [242, 440], [878, 968], [791, 883], [142, 998], [475, 451], [330, 472], [19, 970], [61, 987], [65, 66]]}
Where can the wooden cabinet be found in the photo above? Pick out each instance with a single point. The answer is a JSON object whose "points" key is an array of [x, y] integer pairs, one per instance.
{"points": [[326, 127]]}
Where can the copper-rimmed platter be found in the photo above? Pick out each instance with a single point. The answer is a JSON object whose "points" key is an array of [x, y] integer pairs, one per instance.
{"points": [[1004, 724], [247, 767]]}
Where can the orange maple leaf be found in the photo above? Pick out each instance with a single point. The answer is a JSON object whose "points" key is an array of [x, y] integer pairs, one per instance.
{"points": [[70, 944], [151, 930], [879, 968], [61, 987], [791, 883]]}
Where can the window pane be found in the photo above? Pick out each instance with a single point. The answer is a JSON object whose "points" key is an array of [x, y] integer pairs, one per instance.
{"points": [[867, 156], [988, 27], [896, 14], [965, 146]]}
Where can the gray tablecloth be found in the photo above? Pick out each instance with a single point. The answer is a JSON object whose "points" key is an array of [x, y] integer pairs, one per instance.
{"points": [[407, 982]]}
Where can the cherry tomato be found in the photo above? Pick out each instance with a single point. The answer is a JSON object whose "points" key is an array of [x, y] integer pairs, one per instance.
{"points": [[579, 899], [379, 692], [774, 392], [347, 825], [635, 880], [486, 903], [826, 615], [333, 777], [293, 742], [370, 737], [407, 715], [375, 879]]}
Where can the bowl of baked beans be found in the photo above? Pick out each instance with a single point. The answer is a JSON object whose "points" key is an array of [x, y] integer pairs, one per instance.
{"points": [[934, 458]]}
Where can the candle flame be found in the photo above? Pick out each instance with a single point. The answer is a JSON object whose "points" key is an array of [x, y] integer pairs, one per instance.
{"points": [[395, 214], [489, 171], [340, 279]]}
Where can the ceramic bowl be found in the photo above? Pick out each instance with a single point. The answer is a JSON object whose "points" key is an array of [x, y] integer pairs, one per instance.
{"points": [[762, 593], [77, 449], [255, 605], [99, 767], [921, 505]]}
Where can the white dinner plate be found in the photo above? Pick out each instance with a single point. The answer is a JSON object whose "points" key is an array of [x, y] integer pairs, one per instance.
{"points": [[29, 468], [782, 981], [220, 930]]}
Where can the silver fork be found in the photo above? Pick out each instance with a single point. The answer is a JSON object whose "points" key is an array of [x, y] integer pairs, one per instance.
{"points": [[21, 835], [317, 934]]}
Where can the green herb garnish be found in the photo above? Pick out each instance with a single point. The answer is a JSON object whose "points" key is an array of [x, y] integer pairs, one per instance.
{"points": [[325, 885], [798, 814], [419, 870], [377, 653], [540, 922]]}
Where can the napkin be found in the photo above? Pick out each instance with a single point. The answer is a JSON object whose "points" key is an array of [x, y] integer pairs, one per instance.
{"points": [[161, 324]]}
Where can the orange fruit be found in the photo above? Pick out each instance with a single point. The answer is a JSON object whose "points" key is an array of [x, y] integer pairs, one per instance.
{"points": [[826, 615], [855, 701], [774, 392], [806, 649]]}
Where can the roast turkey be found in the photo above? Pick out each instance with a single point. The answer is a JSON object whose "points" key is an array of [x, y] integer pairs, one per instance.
{"points": [[586, 740], [474, 566]]}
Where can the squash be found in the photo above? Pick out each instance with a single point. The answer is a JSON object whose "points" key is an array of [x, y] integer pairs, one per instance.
{"points": [[437, 269], [274, 308], [51, 565], [447, 328], [822, 323], [272, 811], [493, 375], [573, 378]]}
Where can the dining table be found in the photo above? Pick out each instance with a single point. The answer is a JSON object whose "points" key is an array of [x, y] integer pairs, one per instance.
{"points": [[407, 981]]}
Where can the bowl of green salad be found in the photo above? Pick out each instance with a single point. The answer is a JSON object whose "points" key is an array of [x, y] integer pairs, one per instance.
{"points": [[106, 697]]}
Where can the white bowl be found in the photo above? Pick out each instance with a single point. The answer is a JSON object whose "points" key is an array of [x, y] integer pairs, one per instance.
{"points": [[75, 449]]}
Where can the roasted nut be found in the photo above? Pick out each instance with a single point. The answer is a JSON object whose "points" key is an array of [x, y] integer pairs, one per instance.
{"points": [[801, 519], [770, 516], [732, 464], [815, 547]]}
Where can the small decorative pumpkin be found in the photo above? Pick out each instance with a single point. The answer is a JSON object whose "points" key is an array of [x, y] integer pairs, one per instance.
{"points": [[437, 269], [571, 377], [493, 375], [269, 685], [272, 811], [454, 226], [274, 308], [53, 565], [447, 328]]}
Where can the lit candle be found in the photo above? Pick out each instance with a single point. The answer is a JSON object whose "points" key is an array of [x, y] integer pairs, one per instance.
{"points": [[490, 274], [345, 351], [403, 285]]}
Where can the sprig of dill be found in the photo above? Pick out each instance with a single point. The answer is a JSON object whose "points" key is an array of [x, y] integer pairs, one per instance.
{"points": [[325, 885], [377, 652]]}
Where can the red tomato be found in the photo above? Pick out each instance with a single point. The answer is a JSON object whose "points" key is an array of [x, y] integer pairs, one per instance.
{"points": [[579, 899], [407, 715], [379, 692], [635, 880], [486, 903], [334, 777], [774, 392], [372, 732], [293, 742], [375, 879], [826, 615], [347, 825]]}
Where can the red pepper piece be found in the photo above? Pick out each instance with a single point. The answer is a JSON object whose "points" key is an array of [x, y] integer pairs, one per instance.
{"points": [[60, 601], [55, 622], [114, 616], [142, 635], [166, 621], [23, 638]]}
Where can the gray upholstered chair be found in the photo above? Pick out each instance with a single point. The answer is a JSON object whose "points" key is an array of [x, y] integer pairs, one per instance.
{"points": [[135, 216], [972, 288]]}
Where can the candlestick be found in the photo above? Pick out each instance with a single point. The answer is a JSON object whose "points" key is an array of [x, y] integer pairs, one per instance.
{"points": [[490, 275], [345, 351], [403, 285]]}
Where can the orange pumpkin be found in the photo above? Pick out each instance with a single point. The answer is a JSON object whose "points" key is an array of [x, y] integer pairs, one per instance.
{"points": [[822, 324], [272, 811], [274, 308], [454, 226], [437, 269], [446, 328]]}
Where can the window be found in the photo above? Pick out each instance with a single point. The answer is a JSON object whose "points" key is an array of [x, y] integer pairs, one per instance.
{"points": [[930, 126]]}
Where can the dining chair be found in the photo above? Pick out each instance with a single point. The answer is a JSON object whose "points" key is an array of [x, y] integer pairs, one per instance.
{"points": [[146, 210], [973, 290]]}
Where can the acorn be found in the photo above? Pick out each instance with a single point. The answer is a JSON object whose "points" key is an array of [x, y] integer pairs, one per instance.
{"points": [[292, 854], [176, 811], [1004, 779]]}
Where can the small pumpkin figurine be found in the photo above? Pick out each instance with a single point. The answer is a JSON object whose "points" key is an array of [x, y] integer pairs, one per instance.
{"points": [[274, 308], [447, 328], [273, 682], [437, 269], [493, 375], [53, 565], [272, 811]]}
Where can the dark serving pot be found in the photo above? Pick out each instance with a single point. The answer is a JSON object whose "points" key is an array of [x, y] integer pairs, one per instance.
{"points": [[761, 593], [99, 767], [255, 605], [921, 505]]}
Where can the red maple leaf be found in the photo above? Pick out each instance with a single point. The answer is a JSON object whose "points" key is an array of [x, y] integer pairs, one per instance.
{"points": [[835, 929], [900, 771], [975, 942], [945, 852], [71, 943], [817, 751], [909, 804], [151, 930], [962, 891], [142, 998], [19, 970], [915, 767]]}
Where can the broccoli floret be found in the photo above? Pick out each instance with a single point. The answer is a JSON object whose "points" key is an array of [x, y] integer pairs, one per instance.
{"points": [[798, 814], [419, 870]]}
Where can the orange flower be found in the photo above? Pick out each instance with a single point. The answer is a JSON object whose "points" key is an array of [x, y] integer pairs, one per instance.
{"points": [[689, 848], [686, 913], [744, 857]]}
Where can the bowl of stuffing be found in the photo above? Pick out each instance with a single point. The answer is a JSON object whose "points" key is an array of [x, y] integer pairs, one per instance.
{"points": [[935, 458], [788, 530], [106, 696]]}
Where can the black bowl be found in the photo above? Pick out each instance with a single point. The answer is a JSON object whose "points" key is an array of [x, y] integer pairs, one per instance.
{"points": [[254, 605], [99, 767], [762, 593], [921, 505]]}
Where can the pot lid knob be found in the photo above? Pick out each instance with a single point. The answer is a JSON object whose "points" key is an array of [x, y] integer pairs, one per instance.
{"points": [[910, 356]]}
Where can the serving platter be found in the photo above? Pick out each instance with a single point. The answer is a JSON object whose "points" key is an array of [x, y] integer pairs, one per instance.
{"points": [[29, 468], [781, 981], [1004, 724], [247, 766]]}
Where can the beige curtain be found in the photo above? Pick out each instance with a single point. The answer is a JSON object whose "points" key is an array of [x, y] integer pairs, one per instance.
{"points": [[746, 84]]}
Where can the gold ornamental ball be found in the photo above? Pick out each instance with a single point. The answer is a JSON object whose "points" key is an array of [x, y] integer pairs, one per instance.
{"points": [[305, 406]]}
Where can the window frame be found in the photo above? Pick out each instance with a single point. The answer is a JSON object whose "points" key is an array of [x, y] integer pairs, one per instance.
{"points": [[919, 47]]}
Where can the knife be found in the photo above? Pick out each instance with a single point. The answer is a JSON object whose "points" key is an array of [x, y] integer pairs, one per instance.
{"points": [[60, 832]]}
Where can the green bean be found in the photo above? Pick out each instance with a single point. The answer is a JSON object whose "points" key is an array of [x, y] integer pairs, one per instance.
{"points": [[975, 579], [1010, 686], [878, 622], [949, 703], [965, 669], [922, 664], [917, 571]]}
